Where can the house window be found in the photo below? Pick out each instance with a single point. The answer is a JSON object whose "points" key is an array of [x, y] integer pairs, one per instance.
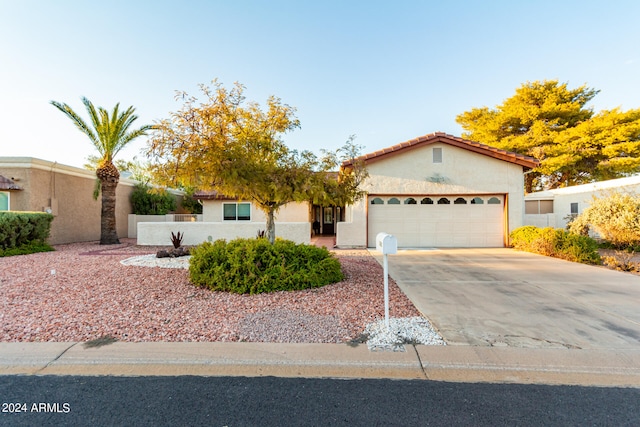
{"points": [[494, 201], [410, 201], [477, 201], [460, 201], [535, 207], [444, 201], [574, 209], [393, 201], [437, 155], [546, 206], [426, 201], [377, 201], [236, 211], [531, 207], [4, 200]]}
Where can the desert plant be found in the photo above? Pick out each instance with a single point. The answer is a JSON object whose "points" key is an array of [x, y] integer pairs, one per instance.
{"points": [[109, 133], [556, 243], [176, 239], [621, 260], [615, 217], [262, 234], [250, 266]]}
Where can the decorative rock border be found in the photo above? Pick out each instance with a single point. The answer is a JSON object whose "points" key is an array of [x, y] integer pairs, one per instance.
{"points": [[152, 261]]}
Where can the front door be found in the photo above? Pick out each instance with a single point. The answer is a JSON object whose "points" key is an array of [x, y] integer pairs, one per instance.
{"points": [[327, 220]]}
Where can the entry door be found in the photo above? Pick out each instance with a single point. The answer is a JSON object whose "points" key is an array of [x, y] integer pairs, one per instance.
{"points": [[327, 220]]}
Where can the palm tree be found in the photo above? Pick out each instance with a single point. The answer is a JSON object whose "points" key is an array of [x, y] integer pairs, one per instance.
{"points": [[109, 134]]}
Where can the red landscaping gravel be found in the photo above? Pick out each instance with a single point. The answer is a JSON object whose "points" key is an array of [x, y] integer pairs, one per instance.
{"points": [[91, 295]]}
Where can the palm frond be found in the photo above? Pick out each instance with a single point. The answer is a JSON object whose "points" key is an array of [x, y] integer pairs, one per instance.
{"points": [[110, 132], [77, 120]]}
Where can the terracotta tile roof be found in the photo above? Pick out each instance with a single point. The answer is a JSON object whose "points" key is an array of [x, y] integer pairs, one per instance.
{"points": [[214, 195], [508, 156], [210, 195], [8, 184]]}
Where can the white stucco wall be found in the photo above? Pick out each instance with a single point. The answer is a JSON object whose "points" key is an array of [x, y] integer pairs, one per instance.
{"points": [[159, 233], [580, 194], [291, 212], [461, 172], [134, 220]]}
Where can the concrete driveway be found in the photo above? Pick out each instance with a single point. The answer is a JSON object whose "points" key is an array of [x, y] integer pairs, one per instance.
{"points": [[502, 297]]}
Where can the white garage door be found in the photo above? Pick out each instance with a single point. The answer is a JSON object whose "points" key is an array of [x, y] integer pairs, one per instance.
{"points": [[438, 221]]}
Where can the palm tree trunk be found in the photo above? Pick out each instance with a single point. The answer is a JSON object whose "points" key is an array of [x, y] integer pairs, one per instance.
{"points": [[108, 230]]}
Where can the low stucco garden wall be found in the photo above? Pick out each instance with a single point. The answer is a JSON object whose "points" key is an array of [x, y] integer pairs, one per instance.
{"points": [[159, 233]]}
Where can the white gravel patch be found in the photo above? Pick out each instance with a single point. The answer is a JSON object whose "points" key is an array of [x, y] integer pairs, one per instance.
{"points": [[153, 261], [408, 330]]}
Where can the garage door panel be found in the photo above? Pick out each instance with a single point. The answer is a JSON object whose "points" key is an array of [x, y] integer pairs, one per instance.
{"points": [[452, 225]]}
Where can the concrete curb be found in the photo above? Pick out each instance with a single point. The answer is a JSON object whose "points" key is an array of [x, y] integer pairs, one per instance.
{"points": [[441, 363]]}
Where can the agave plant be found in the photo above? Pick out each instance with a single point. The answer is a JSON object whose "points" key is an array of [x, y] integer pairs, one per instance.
{"points": [[176, 239]]}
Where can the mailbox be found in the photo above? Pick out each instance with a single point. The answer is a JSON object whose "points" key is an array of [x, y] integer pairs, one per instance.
{"points": [[386, 243]]}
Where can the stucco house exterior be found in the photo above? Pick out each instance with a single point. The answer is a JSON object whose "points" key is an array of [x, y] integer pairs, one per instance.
{"points": [[228, 218], [554, 208], [66, 192], [437, 190]]}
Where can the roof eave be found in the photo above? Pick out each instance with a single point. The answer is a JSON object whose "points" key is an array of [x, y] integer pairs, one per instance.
{"points": [[519, 159]]}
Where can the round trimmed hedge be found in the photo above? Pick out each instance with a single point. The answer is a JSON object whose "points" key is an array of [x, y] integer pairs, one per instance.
{"points": [[253, 266]]}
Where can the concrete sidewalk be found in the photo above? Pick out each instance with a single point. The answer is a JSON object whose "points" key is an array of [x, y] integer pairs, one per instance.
{"points": [[441, 363]]}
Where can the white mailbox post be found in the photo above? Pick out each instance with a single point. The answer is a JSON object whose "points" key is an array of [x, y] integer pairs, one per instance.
{"points": [[387, 244]]}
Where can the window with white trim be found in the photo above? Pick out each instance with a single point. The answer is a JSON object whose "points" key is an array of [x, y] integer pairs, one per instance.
{"points": [[574, 209], [236, 211]]}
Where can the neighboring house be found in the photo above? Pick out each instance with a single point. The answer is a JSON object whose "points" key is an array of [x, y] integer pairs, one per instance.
{"points": [[64, 191], [438, 191], [433, 191], [554, 208]]}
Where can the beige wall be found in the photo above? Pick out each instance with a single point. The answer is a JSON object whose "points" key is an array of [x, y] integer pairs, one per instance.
{"points": [[291, 212], [413, 172], [68, 191]]}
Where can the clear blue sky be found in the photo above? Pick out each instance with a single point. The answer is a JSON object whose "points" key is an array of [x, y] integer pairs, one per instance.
{"points": [[386, 71]]}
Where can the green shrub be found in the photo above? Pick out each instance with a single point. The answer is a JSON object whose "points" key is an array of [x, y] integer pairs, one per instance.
{"points": [[149, 201], [251, 266], [576, 248], [615, 217], [21, 228], [189, 203], [27, 248], [556, 243]]}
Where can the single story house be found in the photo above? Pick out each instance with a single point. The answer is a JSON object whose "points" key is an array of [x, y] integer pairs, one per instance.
{"points": [[66, 192], [437, 190], [554, 208], [7, 186]]}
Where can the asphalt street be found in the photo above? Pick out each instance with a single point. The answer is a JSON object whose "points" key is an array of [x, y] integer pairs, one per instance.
{"points": [[269, 401]]}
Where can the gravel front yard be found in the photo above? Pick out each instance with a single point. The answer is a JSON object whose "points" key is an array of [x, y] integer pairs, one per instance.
{"points": [[81, 292]]}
